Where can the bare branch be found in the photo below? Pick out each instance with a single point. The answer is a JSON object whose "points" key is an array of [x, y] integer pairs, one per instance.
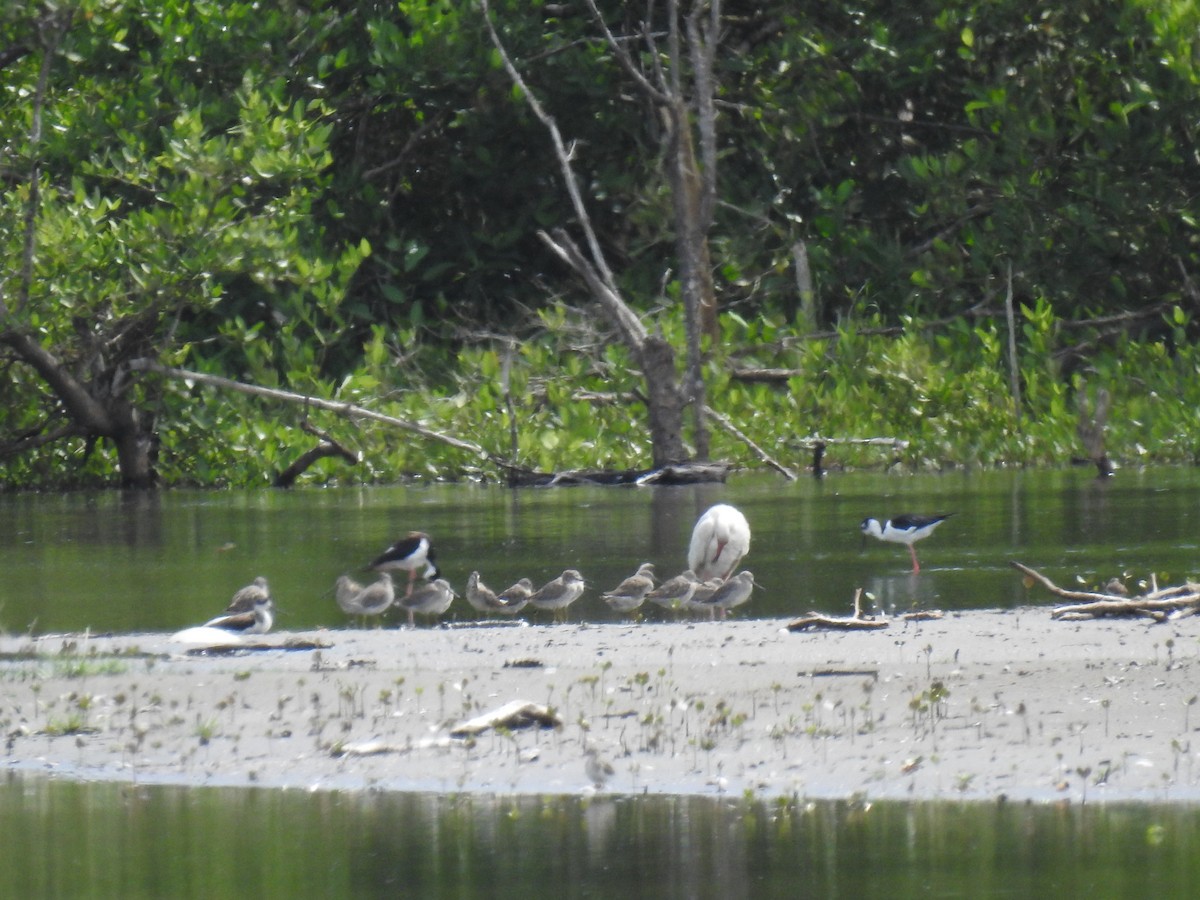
{"points": [[348, 410]]}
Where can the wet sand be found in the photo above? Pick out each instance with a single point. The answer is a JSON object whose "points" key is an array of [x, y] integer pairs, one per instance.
{"points": [[978, 705]]}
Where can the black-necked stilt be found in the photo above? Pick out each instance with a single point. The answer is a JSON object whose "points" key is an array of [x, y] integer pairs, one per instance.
{"points": [[244, 598], [674, 593], [629, 594], [412, 553], [258, 621], [372, 600], [733, 592], [430, 599], [905, 529], [719, 541], [560, 593]]}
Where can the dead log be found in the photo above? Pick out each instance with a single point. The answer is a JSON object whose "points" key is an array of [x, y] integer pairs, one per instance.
{"points": [[1158, 604]]}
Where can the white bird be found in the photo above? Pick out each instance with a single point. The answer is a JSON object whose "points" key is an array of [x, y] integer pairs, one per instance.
{"points": [[560, 593], [372, 600], [719, 541], [629, 594], [430, 599], [906, 529]]}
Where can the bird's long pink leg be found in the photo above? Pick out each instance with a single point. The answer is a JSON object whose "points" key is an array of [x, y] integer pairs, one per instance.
{"points": [[916, 565], [412, 576]]}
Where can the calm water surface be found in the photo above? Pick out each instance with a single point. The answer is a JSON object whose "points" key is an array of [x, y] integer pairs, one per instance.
{"points": [[129, 562], [106, 840], [160, 562]]}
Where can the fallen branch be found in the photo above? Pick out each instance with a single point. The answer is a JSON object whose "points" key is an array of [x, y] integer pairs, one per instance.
{"points": [[728, 426], [1159, 604], [347, 410], [856, 622]]}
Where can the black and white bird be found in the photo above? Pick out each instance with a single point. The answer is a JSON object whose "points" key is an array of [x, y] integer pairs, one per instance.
{"points": [[413, 553], [258, 621], [906, 529], [720, 539]]}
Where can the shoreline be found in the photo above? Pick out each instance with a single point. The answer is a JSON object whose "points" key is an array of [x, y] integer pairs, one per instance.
{"points": [[979, 705]]}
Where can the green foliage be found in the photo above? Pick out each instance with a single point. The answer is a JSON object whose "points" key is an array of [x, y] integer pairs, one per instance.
{"points": [[344, 199]]}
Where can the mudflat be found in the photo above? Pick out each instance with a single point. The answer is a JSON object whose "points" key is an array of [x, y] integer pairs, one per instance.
{"points": [[977, 705]]}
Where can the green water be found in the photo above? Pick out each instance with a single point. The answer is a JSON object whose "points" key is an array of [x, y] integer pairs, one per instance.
{"points": [[135, 562], [106, 840]]}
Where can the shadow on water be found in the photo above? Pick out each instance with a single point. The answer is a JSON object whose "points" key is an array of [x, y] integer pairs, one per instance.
{"points": [[108, 840], [161, 561]]}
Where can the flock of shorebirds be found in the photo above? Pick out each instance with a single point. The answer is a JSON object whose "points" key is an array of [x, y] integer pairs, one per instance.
{"points": [[720, 540]]}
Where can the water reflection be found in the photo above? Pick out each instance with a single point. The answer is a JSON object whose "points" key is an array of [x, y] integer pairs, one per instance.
{"points": [[139, 561], [108, 840]]}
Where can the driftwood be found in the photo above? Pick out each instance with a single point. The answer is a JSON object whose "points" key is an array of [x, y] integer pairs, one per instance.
{"points": [[1157, 604], [516, 714], [856, 622], [728, 426]]}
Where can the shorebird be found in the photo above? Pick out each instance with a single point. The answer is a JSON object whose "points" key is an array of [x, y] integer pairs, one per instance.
{"points": [[372, 600], [703, 593], [719, 541], [598, 769], [244, 598], [514, 597], [733, 592], [906, 529], [560, 593], [412, 553], [674, 593], [430, 599], [258, 621], [630, 593]]}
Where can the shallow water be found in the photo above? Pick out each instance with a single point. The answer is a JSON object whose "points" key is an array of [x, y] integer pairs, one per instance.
{"points": [[133, 562], [108, 840]]}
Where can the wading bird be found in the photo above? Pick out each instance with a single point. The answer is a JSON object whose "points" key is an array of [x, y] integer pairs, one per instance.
{"points": [[906, 529], [560, 593], [719, 541], [258, 621], [430, 599], [372, 600], [412, 553], [629, 594], [244, 599]]}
